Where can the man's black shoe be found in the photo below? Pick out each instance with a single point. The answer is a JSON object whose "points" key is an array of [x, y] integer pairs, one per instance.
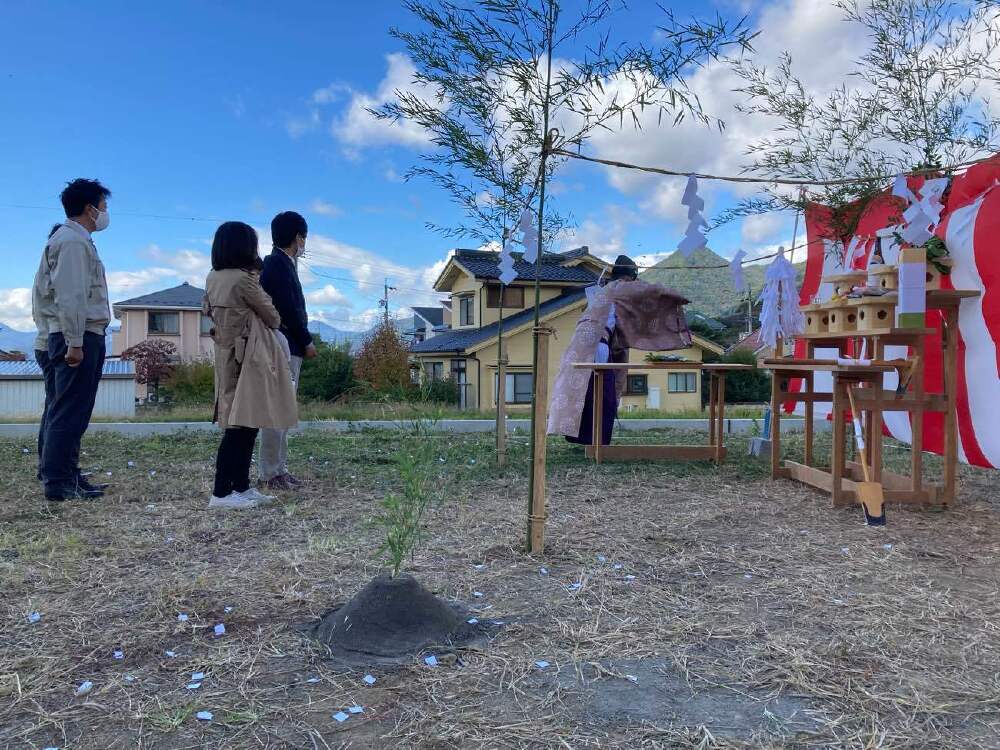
{"points": [[83, 484], [73, 493]]}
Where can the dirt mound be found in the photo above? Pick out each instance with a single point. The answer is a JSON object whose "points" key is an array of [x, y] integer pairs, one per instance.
{"points": [[392, 618]]}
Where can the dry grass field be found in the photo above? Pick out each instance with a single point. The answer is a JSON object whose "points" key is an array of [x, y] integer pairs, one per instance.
{"points": [[680, 605]]}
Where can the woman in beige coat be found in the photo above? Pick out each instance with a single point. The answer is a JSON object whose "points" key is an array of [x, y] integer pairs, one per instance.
{"points": [[253, 387]]}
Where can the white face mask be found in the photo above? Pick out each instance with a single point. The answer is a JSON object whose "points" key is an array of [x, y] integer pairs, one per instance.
{"points": [[301, 250], [102, 220]]}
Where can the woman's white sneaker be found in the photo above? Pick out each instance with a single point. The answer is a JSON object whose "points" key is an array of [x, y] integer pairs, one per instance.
{"points": [[258, 497], [235, 500]]}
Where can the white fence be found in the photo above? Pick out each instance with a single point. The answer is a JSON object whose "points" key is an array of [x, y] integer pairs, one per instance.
{"points": [[22, 390]]}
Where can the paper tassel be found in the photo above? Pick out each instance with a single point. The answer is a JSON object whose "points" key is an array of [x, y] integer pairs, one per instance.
{"points": [[780, 314], [736, 269], [529, 235], [924, 213], [507, 272], [694, 238]]}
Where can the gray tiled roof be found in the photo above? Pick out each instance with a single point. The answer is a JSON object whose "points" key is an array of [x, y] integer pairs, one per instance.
{"points": [[461, 339], [433, 315], [30, 370], [486, 265], [182, 296]]}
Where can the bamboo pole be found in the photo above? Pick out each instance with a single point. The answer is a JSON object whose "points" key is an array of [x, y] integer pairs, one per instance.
{"points": [[537, 515], [536, 476]]}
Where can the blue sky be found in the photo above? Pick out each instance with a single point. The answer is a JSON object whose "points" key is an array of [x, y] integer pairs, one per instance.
{"points": [[229, 110]]}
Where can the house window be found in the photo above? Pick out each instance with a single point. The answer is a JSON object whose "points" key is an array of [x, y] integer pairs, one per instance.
{"points": [[518, 387], [466, 311], [435, 370], [682, 382], [458, 370], [637, 385], [513, 297], [164, 323], [206, 325]]}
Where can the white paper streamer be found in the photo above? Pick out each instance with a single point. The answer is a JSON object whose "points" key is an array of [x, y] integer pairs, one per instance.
{"points": [[736, 269], [529, 235], [507, 272], [694, 238], [780, 314], [924, 213]]}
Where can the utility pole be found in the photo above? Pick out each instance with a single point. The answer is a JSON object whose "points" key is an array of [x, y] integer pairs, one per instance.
{"points": [[749, 310], [384, 302]]}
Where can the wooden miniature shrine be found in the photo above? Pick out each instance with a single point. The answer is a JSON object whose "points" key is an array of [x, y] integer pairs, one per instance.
{"points": [[870, 324], [714, 451]]}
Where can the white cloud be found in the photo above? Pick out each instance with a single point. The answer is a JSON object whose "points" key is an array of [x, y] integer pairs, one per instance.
{"points": [[326, 209], [822, 46], [189, 265], [296, 127], [328, 295], [330, 94], [391, 175], [356, 128], [15, 308], [761, 228]]}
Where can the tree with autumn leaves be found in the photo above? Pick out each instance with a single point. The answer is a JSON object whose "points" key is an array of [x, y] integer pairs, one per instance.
{"points": [[154, 361]]}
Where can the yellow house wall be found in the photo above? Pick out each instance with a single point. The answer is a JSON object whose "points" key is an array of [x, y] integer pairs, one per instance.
{"points": [[462, 284], [669, 402], [492, 315], [189, 342]]}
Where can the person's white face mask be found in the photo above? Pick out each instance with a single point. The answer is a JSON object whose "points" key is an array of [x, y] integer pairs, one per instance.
{"points": [[102, 220], [300, 250]]}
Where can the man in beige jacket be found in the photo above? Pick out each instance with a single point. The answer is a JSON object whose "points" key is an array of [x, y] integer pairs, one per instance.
{"points": [[71, 304]]}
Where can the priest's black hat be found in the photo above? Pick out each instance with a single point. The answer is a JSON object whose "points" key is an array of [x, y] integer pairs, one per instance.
{"points": [[624, 268]]}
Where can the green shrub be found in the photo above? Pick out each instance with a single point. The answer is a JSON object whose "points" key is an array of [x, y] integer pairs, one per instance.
{"points": [[191, 383], [329, 375], [747, 387]]}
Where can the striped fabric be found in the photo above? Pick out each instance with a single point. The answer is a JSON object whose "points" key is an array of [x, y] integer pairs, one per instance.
{"points": [[970, 228]]}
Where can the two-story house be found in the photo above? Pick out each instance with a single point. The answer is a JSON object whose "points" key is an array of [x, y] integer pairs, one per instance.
{"points": [[173, 315], [466, 350]]}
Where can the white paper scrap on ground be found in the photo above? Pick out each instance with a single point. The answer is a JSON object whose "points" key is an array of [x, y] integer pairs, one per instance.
{"points": [[182, 617], [887, 547], [541, 664], [193, 685], [341, 717], [631, 678], [34, 616], [543, 571], [203, 716], [171, 654], [220, 629], [601, 558], [227, 610], [356, 709], [845, 550], [85, 687], [431, 661], [198, 676], [478, 594], [472, 621], [747, 576], [479, 567], [618, 566], [131, 464], [574, 586], [119, 654], [629, 578], [369, 680]]}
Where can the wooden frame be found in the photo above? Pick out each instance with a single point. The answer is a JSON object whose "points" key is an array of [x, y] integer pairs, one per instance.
{"points": [[714, 451], [872, 399]]}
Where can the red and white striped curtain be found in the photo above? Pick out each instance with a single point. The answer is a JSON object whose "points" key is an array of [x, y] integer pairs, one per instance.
{"points": [[970, 228]]}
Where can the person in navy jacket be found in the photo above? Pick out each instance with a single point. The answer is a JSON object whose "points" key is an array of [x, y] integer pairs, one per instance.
{"points": [[280, 279]]}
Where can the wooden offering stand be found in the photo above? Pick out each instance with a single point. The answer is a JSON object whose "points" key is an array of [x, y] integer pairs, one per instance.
{"points": [[714, 451], [866, 380]]}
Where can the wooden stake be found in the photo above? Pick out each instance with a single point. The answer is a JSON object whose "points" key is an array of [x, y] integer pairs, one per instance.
{"points": [[537, 515], [502, 411]]}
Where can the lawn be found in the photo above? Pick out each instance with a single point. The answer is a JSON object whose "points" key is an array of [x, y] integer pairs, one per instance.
{"points": [[310, 411], [715, 608]]}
